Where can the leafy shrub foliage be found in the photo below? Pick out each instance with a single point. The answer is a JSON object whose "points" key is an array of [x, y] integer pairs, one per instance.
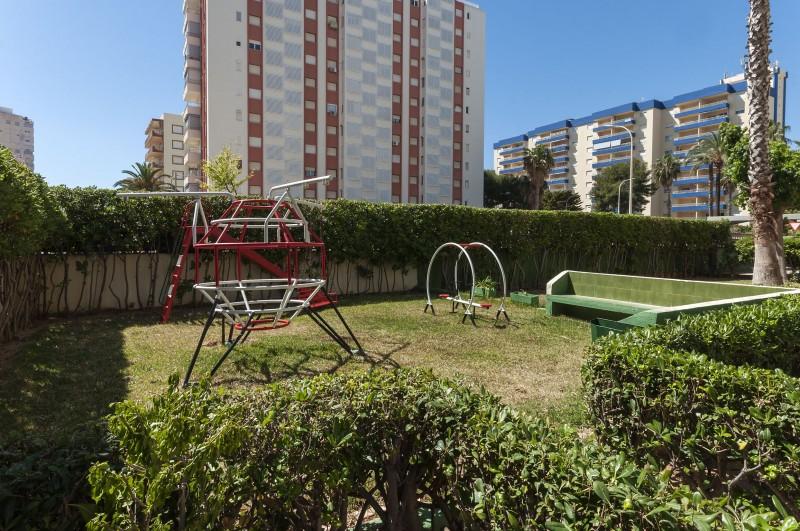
{"points": [[318, 453], [709, 397], [26, 212], [791, 250], [538, 243]]}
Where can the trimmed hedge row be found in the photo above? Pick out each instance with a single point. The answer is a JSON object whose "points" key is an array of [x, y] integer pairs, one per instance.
{"points": [[708, 396], [317, 453], [97, 221], [791, 250]]}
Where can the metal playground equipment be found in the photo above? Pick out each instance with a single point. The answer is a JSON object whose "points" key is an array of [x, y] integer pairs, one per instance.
{"points": [[274, 235], [469, 304]]}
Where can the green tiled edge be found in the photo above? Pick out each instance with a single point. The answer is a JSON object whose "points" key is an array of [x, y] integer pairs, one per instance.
{"points": [[575, 293]]}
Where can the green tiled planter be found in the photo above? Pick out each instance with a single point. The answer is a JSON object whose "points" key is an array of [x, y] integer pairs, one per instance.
{"points": [[485, 293], [523, 297]]}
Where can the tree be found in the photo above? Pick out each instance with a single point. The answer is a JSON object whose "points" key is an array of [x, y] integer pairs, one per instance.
{"points": [[537, 163], [784, 163], [144, 177], [223, 171], [502, 191], [768, 264], [607, 186], [665, 170], [561, 200], [710, 151]]}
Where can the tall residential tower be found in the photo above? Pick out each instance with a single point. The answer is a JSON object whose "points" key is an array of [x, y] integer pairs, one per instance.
{"points": [[582, 147], [385, 95], [16, 133]]}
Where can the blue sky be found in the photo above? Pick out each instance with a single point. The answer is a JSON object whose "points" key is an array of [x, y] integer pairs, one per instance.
{"points": [[90, 73]]}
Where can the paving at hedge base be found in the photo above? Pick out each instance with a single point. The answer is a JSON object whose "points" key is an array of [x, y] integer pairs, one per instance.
{"points": [[618, 302], [67, 372]]}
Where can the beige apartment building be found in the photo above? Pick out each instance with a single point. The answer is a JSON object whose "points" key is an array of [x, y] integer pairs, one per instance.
{"points": [[16, 133], [581, 147], [386, 96], [164, 140]]}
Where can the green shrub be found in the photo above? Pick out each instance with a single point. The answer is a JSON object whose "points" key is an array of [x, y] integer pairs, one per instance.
{"points": [[538, 244], [707, 396], [315, 453], [26, 212], [745, 251]]}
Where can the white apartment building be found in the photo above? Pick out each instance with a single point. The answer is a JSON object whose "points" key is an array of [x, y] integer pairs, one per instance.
{"points": [[387, 96], [165, 148], [583, 146], [16, 133]]}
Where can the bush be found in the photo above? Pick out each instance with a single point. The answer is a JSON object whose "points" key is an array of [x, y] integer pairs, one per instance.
{"points": [[316, 453], [745, 251], [26, 212], [541, 243], [708, 397]]}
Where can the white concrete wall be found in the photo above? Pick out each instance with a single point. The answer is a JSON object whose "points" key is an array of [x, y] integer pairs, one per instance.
{"points": [[475, 64]]}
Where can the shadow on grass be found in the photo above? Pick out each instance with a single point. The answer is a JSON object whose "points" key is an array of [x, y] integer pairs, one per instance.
{"points": [[61, 380]]}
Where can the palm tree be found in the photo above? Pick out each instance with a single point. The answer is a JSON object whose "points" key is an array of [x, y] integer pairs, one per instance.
{"points": [[767, 266], [710, 151], [537, 163], [665, 170], [144, 178]]}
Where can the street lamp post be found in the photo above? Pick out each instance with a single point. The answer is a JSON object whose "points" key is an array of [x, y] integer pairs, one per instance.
{"points": [[619, 194], [630, 188]]}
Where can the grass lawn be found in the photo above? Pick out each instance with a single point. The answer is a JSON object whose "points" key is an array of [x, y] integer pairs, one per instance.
{"points": [[66, 374]]}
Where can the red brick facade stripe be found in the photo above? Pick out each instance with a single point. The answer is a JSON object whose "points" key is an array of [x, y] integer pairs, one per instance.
{"points": [[415, 111], [310, 94], [254, 106], [397, 94], [458, 103], [332, 98]]}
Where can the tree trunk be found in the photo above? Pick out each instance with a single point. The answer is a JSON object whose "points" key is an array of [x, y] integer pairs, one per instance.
{"points": [[669, 200], [767, 263], [781, 256]]}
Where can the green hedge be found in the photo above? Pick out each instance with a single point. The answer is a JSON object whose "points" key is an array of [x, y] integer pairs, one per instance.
{"points": [[314, 453], [745, 251], [708, 397], [537, 244], [26, 212]]}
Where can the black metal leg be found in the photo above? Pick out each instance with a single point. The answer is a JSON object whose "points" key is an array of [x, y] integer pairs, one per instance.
{"points": [[245, 329], [209, 322], [341, 318], [429, 305], [322, 323]]}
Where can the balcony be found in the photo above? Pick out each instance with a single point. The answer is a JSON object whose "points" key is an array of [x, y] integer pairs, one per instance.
{"points": [[191, 138], [689, 167], [154, 158], [559, 160], [510, 171], [689, 139], [611, 138], [699, 207], [512, 161], [554, 138], [559, 171], [612, 162], [605, 127], [702, 194], [702, 110], [506, 151], [559, 149], [615, 149], [690, 181], [556, 182], [191, 159], [701, 123], [154, 142], [191, 93]]}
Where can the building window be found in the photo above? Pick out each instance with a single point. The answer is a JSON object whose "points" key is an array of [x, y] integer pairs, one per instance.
{"points": [[333, 23], [396, 78], [311, 149], [457, 108], [311, 127], [332, 108], [413, 121], [332, 86], [254, 141], [254, 20], [331, 130], [254, 118], [458, 51], [395, 119], [177, 159], [238, 115], [332, 42], [456, 184], [177, 144], [414, 42], [456, 165], [396, 98], [396, 58], [458, 70], [456, 127], [414, 82], [395, 140], [331, 151], [398, 17], [311, 14], [254, 45], [253, 166], [413, 141], [311, 105], [466, 166], [414, 23], [415, 62], [311, 59], [457, 146], [311, 82], [467, 91], [255, 94], [397, 38], [238, 16], [459, 13], [332, 66], [311, 171], [254, 69], [310, 37], [177, 129], [412, 179], [178, 174]]}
